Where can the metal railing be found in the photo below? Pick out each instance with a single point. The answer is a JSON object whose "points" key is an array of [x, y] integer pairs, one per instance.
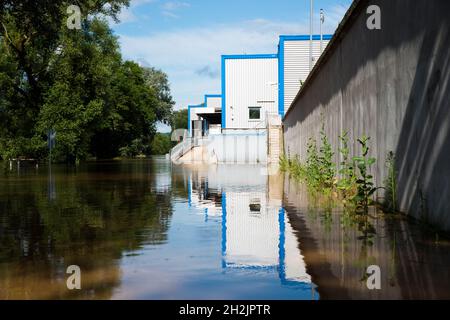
{"points": [[181, 149]]}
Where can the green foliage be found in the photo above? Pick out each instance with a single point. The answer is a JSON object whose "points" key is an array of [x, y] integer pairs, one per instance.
{"points": [[159, 82], [75, 82], [284, 163], [161, 144], [312, 167], [131, 115], [347, 181], [319, 170], [326, 165], [180, 119], [390, 183], [364, 182], [297, 169], [135, 148], [355, 185]]}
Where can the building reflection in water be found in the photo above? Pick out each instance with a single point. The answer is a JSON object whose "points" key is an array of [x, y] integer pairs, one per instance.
{"points": [[256, 233]]}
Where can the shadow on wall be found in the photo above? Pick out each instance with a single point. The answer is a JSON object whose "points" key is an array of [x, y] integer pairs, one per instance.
{"points": [[423, 149], [393, 85]]}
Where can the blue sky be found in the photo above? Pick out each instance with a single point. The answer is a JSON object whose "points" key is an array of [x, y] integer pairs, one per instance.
{"points": [[186, 38]]}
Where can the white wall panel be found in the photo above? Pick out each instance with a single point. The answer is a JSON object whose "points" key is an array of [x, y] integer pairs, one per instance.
{"points": [[214, 102], [250, 83], [296, 66]]}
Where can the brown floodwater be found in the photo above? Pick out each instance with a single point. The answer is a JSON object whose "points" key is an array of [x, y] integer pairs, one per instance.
{"points": [[149, 230], [413, 258]]}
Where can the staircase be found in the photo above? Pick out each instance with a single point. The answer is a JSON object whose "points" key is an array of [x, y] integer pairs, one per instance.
{"points": [[275, 139], [181, 149]]}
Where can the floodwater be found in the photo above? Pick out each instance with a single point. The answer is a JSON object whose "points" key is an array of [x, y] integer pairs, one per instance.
{"points": [[149, 230]]}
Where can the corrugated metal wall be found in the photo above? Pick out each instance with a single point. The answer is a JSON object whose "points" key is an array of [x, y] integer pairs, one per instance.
{"points": [[250, 83], [296, 66], [214, 102], [193, 116]]}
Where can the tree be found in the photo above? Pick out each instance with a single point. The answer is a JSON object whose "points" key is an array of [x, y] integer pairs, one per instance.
{"points": [[30, 39], [131, 116], [79, 96], [179, 119], [75, 82], [30, 34], [161, 144], [158, 81]]}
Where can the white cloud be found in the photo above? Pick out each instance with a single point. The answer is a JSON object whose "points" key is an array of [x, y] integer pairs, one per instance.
{"points": [[127, 15], [192, 57], [175, 5], [334, 15], [170, 14], [169, 8]]}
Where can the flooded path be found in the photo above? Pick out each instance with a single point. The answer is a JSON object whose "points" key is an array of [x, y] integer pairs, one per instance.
{"points": [[147, 230]]}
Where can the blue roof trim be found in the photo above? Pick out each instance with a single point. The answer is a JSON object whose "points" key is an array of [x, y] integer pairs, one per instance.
{"points": [[305, 37], [250, 56], [224, 119], [281, 78], [283, 39], [223, 70]]}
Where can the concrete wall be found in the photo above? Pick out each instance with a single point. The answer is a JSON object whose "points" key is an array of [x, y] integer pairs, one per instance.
{"points": [[392, 85], [239, 146]]}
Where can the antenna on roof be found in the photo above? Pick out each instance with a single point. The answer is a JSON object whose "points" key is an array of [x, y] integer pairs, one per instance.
{"points": [[311, 35], [322, 20]]}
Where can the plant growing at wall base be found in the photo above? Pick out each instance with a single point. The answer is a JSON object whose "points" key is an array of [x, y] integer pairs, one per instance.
{"points": [[326, 165], [312, 169], [390, 183], [296, 168], [346, 183], [364, 182], [284, 163]]}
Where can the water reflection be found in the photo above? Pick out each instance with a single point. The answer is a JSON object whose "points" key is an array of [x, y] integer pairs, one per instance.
{"points": [[88, 216], [338, 249], [150, 230], [256, 233]]}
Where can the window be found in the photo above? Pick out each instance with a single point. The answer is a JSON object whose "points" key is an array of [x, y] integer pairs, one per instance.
{"points": [[254, 113], [255, 206]]}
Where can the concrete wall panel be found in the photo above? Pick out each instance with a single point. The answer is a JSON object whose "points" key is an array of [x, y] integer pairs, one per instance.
{"points": [[393, 85]]}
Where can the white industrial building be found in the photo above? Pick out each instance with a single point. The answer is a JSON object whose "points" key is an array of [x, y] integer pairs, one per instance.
{"points": [[205, 118], [249, 90], [243, 123], [293, 59]]}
